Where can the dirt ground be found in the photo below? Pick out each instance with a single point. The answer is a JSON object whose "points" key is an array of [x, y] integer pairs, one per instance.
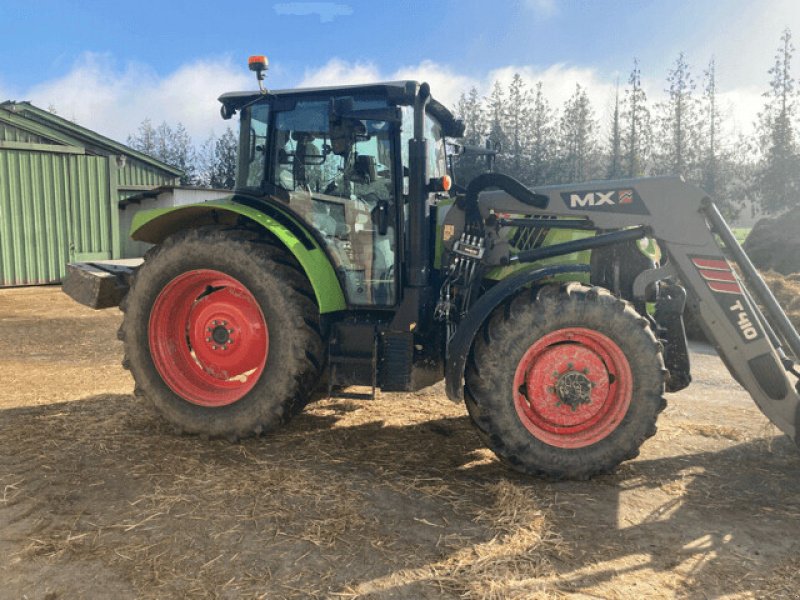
{"points": [[394, 498]]}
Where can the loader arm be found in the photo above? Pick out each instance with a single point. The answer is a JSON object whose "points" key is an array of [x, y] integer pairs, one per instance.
{"points": [[760, 349]]}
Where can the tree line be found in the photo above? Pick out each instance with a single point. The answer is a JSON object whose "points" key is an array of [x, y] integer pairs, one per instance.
{"points": [[684, 134], [212, 164]]}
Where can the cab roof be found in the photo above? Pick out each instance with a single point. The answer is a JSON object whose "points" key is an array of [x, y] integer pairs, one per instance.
{"points": [[399, 92]]}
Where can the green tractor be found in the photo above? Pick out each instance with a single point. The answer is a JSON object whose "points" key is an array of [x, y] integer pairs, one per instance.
{"points": [[347, 257]]}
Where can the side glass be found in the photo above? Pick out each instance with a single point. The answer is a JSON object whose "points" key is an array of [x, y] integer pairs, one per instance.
{"points": [[437, 161], [340, 178], [253, 146]]}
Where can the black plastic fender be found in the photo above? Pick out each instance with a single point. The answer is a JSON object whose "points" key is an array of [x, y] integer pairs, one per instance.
{"points": [[461, 343]]}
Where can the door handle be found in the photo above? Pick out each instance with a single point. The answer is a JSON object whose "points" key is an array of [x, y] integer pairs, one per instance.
{"points": [[380, 216]]}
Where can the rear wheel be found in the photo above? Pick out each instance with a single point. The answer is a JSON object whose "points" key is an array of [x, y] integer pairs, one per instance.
{"points": [[568, 385], [221, 333]]}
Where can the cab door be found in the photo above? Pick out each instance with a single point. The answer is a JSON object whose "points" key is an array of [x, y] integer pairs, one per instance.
{"points": [[340, 176]]}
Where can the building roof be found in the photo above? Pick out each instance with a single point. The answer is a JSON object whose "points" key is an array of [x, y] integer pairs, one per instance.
{"points": [[28, 117], [157, 191]]}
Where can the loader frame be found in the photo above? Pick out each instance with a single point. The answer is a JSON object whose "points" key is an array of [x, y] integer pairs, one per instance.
{"points": [[760, 348]]}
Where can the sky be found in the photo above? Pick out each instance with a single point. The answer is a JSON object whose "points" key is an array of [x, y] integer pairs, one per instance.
{"points": [[109, 65]]}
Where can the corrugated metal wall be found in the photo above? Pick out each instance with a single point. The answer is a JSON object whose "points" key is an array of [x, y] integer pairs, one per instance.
{"points": [[90, 208], [13, 134], [138, 174], [34, 234], [54, 209]]}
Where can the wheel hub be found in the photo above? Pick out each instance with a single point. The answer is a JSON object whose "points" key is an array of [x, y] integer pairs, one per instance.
{"points": [[573, 388], [220, 334]]}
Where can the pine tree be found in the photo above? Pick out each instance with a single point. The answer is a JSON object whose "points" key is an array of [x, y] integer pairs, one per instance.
{"points": [[711, 120], [778, 174], [496, 110], [678, 124], [636, 126], [542, 138], [516, 127], [720, 173], [577, 147], [470, 109], [614, 170], [144, 140], [226, 149], [182, 154]]}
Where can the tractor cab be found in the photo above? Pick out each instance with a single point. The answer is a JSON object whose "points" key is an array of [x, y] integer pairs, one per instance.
{"points": [[340, 160]]}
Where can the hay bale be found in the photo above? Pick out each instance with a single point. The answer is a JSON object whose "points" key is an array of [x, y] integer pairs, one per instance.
{"points": [[787, 292], [774, 244]]}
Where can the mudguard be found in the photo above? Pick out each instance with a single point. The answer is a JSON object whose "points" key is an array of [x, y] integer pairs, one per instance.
{"points": [[459, 347], [155, 225]]}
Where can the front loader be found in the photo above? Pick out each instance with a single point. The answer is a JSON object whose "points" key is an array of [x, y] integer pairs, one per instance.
{"points": [[345, 257]]}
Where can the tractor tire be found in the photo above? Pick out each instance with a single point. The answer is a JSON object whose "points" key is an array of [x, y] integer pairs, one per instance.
{"points": [[565, 382], [222, 333]]}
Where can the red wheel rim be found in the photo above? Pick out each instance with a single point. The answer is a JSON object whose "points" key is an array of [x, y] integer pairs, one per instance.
{"points": [[573, 387], [208, 338]]}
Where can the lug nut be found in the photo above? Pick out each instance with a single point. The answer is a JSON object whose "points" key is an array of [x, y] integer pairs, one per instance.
{"points": [[213, 347], [208, 339]]}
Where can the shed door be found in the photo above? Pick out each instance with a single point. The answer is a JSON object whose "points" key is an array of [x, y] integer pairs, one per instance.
{"points": [[90, 208]]}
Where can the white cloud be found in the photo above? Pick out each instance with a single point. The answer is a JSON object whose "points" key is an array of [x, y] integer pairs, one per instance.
{"points": [[446, 84], [326, 11], [100, 95], [543, 8], [340, 72], [739, 108]]}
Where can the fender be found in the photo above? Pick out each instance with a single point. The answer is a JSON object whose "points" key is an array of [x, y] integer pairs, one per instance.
{"points": [[461, 344], [155, 225]]}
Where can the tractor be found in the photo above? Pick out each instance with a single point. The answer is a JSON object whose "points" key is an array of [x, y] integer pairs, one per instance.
{"points": [[347, 255]]}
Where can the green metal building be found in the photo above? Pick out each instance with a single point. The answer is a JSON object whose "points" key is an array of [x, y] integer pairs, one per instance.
{"points": [[60, 189]]}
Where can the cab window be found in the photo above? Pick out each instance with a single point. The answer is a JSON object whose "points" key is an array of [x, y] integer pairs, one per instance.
{"points": [[253, 146], [437, 160]]}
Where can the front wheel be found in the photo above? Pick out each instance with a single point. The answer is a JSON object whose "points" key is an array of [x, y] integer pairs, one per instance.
{"points": [[221, 334], [568, 385]]}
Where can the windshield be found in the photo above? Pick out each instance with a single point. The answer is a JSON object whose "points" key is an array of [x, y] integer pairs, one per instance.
{"points": [[317, 154]]}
